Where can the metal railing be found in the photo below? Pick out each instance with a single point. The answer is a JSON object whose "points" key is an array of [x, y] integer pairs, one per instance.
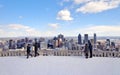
{"points": [[60, 53]]}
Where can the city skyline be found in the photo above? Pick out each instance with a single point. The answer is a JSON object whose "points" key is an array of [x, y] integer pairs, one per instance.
{"points": [[53, 17]]}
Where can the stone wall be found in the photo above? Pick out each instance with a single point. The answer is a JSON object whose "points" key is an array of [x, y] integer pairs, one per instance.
{"points": [[60, 53]]}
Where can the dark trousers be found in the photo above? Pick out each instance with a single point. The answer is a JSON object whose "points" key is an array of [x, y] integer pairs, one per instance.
{"points": [[86, 55], [90, 53], [36, 53], [28, 54]]}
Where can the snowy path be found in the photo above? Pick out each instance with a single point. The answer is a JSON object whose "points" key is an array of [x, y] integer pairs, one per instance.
{"points": [[59, 65]]}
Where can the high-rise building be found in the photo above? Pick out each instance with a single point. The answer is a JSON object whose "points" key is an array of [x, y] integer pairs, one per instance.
{"points": [[79, 39], [19, 44], [113, 44], [107, 42], [85, 38], [66, 44], [95, 38], [10, 43], [61, 36], [60, 40]]}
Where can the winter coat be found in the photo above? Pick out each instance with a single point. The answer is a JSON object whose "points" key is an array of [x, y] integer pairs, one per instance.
{"points": [[28, 49]]}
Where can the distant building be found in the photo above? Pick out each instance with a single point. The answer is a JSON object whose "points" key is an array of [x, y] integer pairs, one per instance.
{"points": [[26, 40], [79, 39], [85, 38], [56, 43], [69, 46], [22, 43], [43, 45], [50, 44], [92, 41], [41, 39], [60, 40], [6, 46], [14, 46], [95, 38], [10, 43], [18, 44], [95, 41], [107, 42], [66, 44], [100, 46], [113, 44], [61, 36]]}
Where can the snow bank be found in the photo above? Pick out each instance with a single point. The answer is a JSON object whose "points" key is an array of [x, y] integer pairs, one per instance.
{"points": [[59, 65]]}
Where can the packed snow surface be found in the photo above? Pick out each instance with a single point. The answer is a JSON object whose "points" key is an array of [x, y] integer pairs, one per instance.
{"points": [[59, 65]]}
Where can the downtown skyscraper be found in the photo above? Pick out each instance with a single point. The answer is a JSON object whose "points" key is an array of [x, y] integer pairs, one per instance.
{"points": [[79, 39]]}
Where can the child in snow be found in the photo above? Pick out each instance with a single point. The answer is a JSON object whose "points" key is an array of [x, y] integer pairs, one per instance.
{"points": [[86, 50], [28, 51]]}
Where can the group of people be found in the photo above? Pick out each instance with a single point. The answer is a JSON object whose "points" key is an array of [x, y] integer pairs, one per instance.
{"points": [[29, 48], [88, 49]]}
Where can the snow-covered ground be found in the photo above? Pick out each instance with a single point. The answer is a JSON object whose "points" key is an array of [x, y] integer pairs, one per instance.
{"points": [[59, 65]]}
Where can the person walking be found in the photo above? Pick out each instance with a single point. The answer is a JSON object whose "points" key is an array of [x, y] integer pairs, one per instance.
{"points": [[90, 48], [86, 51], [36, 48], [28, 51]]}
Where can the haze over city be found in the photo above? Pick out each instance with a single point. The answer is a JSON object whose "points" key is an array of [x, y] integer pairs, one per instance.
{"points": [[52, 17]]}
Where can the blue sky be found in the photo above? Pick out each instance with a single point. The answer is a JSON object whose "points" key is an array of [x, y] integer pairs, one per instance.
{"points": [[52, 17]]}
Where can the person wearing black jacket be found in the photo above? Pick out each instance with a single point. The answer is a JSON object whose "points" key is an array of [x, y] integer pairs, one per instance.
{"points": [[90, 48], [28, 51]]}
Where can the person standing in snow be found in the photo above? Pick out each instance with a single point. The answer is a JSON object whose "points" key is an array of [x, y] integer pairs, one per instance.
{"points": [[86, 50], [90, 48], [36, 48], [28, 51]]}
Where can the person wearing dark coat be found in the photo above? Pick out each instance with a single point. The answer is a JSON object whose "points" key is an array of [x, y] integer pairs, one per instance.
{"points": [[86, 50], [28, 51], [90, 48], [36, 48]]}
